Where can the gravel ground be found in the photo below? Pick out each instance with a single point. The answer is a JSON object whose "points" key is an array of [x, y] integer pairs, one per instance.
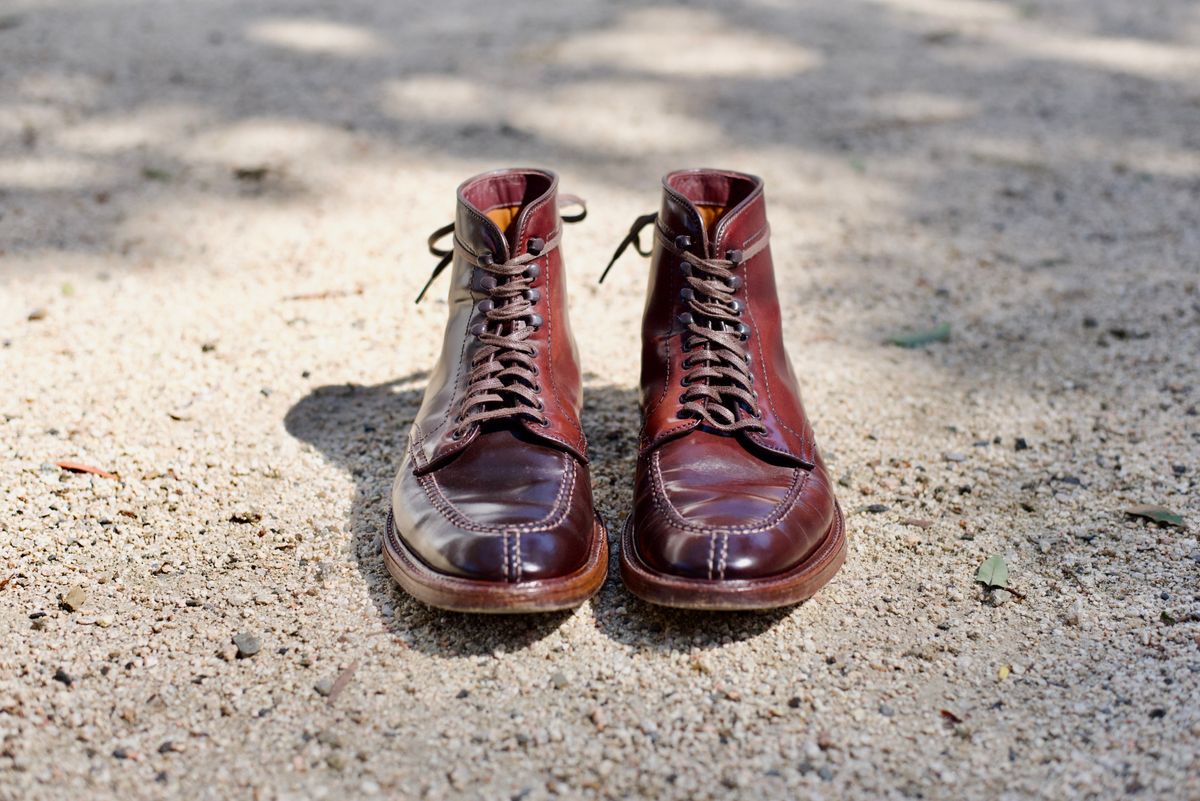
{"points": [[212, 223]]}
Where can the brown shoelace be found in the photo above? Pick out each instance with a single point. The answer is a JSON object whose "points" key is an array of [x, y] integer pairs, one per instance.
{"points": [[717, 382], [503, 382]]}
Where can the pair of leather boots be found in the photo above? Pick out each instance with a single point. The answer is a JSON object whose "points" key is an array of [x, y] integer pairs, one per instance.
{"points": [[492, 508]]}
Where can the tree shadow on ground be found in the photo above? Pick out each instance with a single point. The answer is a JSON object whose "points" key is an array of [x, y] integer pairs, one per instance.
{"points": [[362, 430]]}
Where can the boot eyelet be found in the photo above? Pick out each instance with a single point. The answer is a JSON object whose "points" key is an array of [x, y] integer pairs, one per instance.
{"points": [[683, 241], [486, 259], [534, 245]]}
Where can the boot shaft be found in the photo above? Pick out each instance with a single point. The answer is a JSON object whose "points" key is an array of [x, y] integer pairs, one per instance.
{"points": [[504, 217], [718, 215]]}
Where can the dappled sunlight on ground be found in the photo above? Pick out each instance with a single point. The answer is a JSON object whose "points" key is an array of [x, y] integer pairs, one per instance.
{"points": [[212, 229]]}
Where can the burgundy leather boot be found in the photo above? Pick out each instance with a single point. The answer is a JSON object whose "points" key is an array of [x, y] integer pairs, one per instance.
{"points": [[492, 507], [733, 508]]}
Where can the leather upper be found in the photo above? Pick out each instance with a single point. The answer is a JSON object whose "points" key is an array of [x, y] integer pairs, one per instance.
{"points": [[510, 500], [536, 192], [713, 505]]}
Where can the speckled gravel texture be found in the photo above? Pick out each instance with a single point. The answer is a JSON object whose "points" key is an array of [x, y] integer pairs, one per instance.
{"points": [[173, 175]]}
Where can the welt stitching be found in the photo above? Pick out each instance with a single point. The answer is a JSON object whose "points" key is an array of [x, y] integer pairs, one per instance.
{"points": [[724, 554], [516, 556], [712, 542], [507, 558], [781, 510]]}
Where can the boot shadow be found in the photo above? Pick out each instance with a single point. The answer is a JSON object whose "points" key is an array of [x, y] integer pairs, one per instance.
{"points": [[362, 430]]}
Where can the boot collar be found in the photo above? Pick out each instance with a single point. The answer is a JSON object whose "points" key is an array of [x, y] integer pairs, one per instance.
{"points": [[534, 191], [687, 192]]}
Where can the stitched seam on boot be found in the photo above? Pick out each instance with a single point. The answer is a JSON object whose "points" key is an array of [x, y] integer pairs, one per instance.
{"points": [[550, 345], [556, 515], [762, 361], [724, 554], [781, 510]]}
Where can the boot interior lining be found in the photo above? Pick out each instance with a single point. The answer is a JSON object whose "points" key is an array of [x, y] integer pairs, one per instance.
{"points": [[504, 217], [711, 215]]}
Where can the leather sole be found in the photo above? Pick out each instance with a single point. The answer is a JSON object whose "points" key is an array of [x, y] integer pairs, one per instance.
{"points": [[798, 584], [457, 594]]}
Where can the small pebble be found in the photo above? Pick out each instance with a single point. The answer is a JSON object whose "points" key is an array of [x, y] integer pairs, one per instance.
{"points": [[324, 687], [247, 645], [75, 598]]}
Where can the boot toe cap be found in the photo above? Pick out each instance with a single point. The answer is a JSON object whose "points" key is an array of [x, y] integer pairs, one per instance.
{"points": [[532, 520], [708, 533]]}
